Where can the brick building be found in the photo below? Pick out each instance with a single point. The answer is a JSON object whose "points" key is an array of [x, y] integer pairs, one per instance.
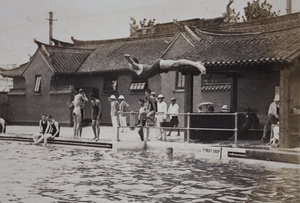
{"points": [[245, 63]]}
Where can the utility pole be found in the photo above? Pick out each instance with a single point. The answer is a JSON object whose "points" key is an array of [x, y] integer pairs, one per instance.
{"points": [[288, 7], [50, 26]]}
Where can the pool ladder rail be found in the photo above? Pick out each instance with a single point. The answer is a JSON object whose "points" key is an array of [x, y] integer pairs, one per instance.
{"points": [[83, 143]]}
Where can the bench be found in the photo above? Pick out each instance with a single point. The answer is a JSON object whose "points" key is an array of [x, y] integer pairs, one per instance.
{"points": [[256, 134]]}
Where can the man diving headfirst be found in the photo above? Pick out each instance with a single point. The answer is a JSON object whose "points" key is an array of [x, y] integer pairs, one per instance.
{"points": [[77, 103], [161, 66]]}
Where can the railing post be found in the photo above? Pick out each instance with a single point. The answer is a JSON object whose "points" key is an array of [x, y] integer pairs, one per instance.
{"points": [[188, 127], [235, 128], [118, 128]]}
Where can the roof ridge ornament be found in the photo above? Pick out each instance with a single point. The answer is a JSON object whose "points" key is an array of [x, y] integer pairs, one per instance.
{"points": [[230, 16]]}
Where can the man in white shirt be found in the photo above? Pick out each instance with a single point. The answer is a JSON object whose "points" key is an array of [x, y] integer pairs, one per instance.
{"points": [[124, 106], [161, 116], [114, 108], [173, 112], [273, 117]]}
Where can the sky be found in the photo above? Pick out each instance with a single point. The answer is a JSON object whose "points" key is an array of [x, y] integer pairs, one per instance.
{"points": [[21, 21]]}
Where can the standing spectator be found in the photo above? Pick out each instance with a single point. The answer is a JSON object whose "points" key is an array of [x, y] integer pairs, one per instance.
{"points": [[2, 125], [78, 104], [173, 111], [273, 117], [153, 97], [161, 116], [96, 116], [114, 108], [53, 131], [43, 125], [151, 105], [142, 118], [124, 106]]}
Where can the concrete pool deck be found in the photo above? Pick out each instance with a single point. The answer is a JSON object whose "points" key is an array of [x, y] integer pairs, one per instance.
{"points": [[130, 140]]}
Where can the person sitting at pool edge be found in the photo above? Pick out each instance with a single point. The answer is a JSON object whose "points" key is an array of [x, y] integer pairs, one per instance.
{"points": [[53, 131], [43, 125], [161, 66]]}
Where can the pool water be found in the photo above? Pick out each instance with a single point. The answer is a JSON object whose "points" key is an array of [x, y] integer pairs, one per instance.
{"points": [[31, 173]]}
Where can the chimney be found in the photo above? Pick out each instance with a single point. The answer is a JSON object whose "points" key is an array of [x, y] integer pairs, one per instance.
{"points": [[288, 7], [50, 26]]}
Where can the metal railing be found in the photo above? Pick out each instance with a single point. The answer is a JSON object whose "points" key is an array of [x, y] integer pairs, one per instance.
{"points": [[188, 127]]}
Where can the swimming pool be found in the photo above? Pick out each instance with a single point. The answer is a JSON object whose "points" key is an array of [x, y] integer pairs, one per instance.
{"points": [[71, 174]]}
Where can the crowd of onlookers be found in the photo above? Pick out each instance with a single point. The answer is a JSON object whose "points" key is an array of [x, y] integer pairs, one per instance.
{"points": [[153, 111]]}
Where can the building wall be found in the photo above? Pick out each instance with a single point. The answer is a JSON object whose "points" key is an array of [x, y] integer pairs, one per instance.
{"points": [[27, 109], [19, 83], [256, 89]]}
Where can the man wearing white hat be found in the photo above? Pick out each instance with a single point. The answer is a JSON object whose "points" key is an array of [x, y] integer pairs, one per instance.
{"points": [[124, 106], [173, 111], [273, 116], [114, 108], [161, 116]]}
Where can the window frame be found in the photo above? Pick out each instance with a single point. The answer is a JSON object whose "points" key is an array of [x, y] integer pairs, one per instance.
{"points": [[138, 84], [111, 89], [38, 84], [182, 81]]}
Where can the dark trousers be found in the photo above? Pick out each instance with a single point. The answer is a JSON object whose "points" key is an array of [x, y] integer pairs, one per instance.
{"points": [[141, 130]]}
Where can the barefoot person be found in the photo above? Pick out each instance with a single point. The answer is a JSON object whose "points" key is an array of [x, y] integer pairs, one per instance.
{"points": [[52, 130], [2, 125], [43, 125], [77, 103], [142, 118], [161, 66], [151, 105], [96, 116]]}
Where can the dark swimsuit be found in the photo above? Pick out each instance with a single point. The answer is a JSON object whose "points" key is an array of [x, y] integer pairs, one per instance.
{"points": [[53, 131], [151, 70], [95, 110], [44, 126]]}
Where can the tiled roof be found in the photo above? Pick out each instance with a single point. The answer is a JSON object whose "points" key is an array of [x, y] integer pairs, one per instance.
{"points": [[110, 56], [16, 72], [262, 25], [228, 50], [65, 60]]}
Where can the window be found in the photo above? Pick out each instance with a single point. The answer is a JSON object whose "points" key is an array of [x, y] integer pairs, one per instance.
{"points": [[110, 84], [37, 87], [138, 83], [180, 80]]}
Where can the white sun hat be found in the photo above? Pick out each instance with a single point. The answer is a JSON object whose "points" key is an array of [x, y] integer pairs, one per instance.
{"points": [[160, 96], [112, 97], [121, 97]]}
